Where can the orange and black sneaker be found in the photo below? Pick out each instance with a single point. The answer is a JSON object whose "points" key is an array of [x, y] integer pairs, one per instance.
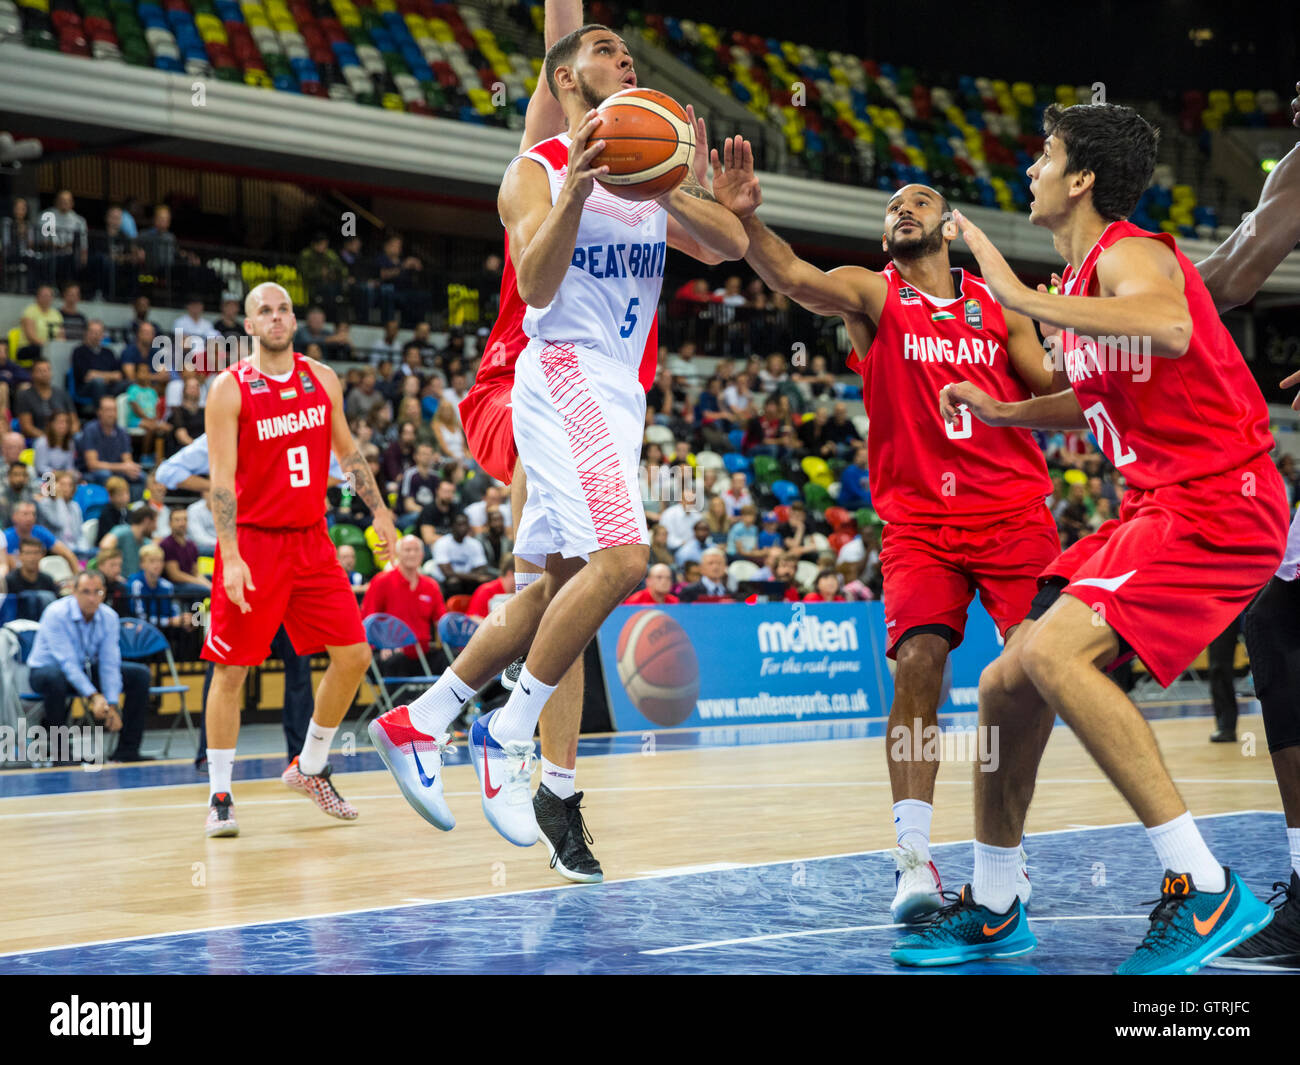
{"points": [[1189, 927], [963, 930], [320, 789], [221, 816]]}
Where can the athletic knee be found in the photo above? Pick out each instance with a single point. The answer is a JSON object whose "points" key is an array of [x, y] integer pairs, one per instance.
{"points": [[1040, 662], [354, 657], [625, 568]]}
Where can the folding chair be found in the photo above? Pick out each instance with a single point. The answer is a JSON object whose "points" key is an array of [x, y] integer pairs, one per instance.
{"points": [[139, 641], [387, 633], [455, 631]]}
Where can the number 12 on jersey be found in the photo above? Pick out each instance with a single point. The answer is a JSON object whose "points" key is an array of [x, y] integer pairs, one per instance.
{"points": [[299, 471]]}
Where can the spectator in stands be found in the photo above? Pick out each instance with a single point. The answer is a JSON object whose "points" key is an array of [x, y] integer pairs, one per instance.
{"points": [[717, 518], [826, 589], [115, 510], [771, 557], [142, 402], [358, 302], [201, 528], [742, 538], [76, 653], [323, 271], [109, 566], [106, 449], [680, 518], [137, 351], [855, 487], [737, 494], [411, 365], [364, 399], [712, 585], [28, 578], [738, 401], [817, 382], [660, 400], [96, 370], [452, 354], [774, 373], [417, 486], [115, 258], [181, 557], [398, 456], [783, 570], [74, 322], [494, 498], [339, 344], [658, 588], [131, 536], [402, 285], [12, 446], [460, 559], [23, 524], [1074, 516], [67, 236], [842, 430], [683, 364], [11, 373], [387, 346], [480, 603], [763, 432], [17, 488], [60, 512], [694, 291], [186, 419], [347, 555], [1101, 514], [41, 322], [163, 257], [231, 321], [794, 531], [18, 239], [693, 550], [314, 330], [54, 449], [140, 311], [817, 435], [153, 596], [434, 520], [450, 436], [660, 553], [411, 597], [194, 328], [496, 541]]}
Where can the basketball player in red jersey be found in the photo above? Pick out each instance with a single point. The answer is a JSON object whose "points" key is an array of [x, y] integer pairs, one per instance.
{"points": [[1201, 530], [965, 504], [487, 417], [271, 422]]}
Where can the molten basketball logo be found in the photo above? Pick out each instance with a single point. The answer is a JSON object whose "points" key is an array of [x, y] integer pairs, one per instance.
{"points": [[658, 667]]}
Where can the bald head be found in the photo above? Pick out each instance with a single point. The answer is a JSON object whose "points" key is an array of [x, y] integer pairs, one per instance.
{"points": [[269, 293]]}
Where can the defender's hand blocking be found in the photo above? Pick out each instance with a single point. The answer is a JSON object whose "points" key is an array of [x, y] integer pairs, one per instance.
{"points": [[996, 271], [235, 577], [735, 184], [582, 175], [965, 394]]}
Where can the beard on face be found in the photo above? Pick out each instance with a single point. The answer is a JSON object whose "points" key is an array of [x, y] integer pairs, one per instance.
{"points": [[913, 247], [590, 97]]}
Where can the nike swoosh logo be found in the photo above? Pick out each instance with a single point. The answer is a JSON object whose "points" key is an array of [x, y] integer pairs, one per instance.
{"points": [[1110, 584], [525, 687], [994, 931], [459, 697], [427, 781], [1207, 926], [488, 789]]}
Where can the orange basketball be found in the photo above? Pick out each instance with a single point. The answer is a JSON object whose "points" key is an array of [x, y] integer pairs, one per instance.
{"points": [[649, 144], [658, 667]]}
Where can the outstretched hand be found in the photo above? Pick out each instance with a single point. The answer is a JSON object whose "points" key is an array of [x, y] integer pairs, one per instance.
{"points": [[995, 270], [735, 185]]}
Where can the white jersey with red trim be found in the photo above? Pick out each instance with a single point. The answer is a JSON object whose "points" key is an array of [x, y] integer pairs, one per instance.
{"points": [[610, 292], [1290, 568]]}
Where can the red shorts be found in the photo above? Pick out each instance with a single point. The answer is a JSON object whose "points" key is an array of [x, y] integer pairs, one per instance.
{"points": [[1181, 562], [931, 572], [489, 426], [297, 583]]}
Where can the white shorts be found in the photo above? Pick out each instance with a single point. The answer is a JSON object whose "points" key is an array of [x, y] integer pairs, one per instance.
{"points": [[579, 417]]}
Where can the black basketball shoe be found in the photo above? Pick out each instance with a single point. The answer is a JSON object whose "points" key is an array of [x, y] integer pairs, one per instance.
{"points": [[1274, 947], [566, 837], [511, 675]]}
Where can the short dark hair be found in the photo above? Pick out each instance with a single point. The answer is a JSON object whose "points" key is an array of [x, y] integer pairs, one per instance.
{"points": [[1114, 142], [31, 541], [562, 52], [91, 574], [139, 515]]}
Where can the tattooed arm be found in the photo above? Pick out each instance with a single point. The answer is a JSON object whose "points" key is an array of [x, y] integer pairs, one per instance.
{"points": [[221, 421], [356, 470], [697, 224]]}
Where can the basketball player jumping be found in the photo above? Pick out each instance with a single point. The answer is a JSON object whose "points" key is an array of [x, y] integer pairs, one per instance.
{"points": [[271, 422], [589, 268], [964, 503], [486, 414], [1201, 529]]}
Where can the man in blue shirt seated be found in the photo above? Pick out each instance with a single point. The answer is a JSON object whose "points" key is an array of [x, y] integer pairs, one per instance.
{"points": [[105, 449], [855, 491], [24, 525], [76, 653], [153, 596]]}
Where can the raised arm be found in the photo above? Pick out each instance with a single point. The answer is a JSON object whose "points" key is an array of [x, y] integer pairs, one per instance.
{"points": [[545, 117], [697, 224], [221, 421]]}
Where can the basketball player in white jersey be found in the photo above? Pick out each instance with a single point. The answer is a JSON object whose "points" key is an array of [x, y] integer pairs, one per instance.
{"points": [[589, 266]]}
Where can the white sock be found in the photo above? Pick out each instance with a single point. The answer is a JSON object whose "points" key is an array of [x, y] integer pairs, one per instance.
{"points": [[221, 766], [994, 882], [1293, 841], [524, 578], [316, 748], [1179, 847], [517, 720], [434, 711], [912, 825], [558, 779]]}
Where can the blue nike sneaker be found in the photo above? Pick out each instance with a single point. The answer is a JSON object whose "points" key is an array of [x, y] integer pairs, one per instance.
{"points": [[966, 931], [1190, 928], [504, 774], [415, 760]]}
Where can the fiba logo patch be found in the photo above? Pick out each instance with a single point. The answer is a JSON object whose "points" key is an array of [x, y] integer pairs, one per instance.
{"points": [[658, 667], [974, 315]]}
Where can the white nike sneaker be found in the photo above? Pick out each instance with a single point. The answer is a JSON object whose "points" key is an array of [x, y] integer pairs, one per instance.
{"points": [[504, 775], [917, 885], [1023, 888], [415, 760]]}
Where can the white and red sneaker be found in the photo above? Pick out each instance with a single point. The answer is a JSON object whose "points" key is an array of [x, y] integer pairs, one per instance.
{"points": [[918, 887], [221, 816], [415, 760], [320, 789]]}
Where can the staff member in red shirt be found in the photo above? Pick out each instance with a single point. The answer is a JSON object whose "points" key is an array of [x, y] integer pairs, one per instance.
{"points": [[658, 588], [480, 603], [410, 596]]}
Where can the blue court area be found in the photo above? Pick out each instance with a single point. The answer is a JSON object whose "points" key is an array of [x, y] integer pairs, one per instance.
{"points": [[1092, 891]]}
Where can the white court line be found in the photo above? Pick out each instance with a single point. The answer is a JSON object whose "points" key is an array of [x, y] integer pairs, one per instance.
{"points": [[553, 887], [866, 928]]}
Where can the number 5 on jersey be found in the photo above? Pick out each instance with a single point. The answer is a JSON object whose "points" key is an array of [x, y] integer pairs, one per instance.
{"points": [[299, 471], [629, 319]]}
